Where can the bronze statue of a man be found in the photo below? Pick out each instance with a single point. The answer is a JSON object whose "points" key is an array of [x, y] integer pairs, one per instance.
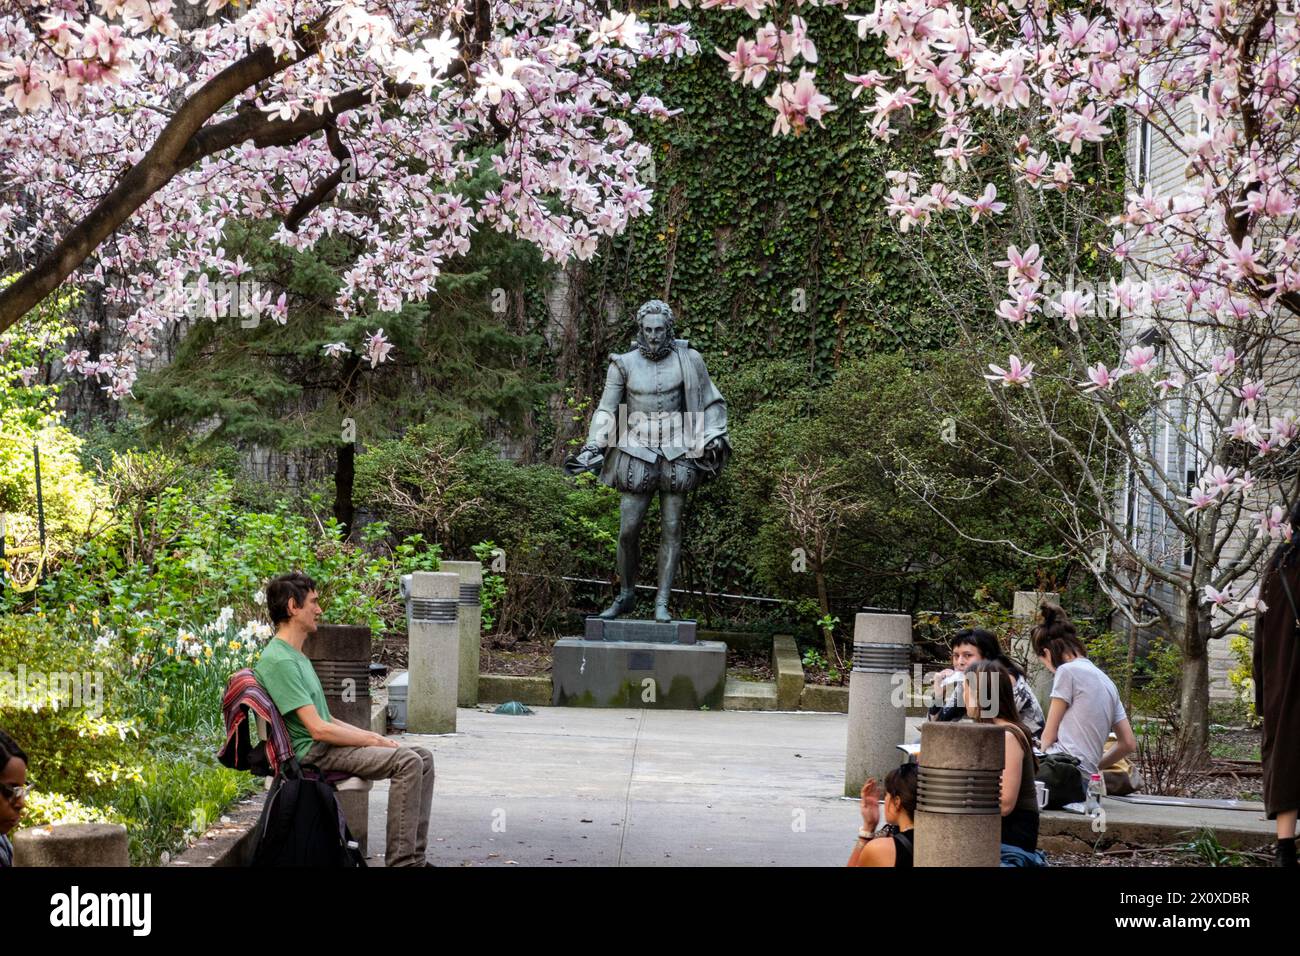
{"points": [[661, 426]]}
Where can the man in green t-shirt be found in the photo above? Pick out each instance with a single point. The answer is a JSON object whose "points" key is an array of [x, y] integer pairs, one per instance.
{"points": [[288, 676]]}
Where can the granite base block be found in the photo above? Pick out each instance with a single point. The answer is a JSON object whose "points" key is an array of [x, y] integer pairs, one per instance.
{"points": [[674, 632], [639, 674]]}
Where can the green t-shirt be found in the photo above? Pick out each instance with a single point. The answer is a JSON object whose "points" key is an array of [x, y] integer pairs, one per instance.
{"points": [[291, 681]]}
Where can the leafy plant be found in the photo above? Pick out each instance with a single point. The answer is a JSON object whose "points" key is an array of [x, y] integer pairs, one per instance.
{"points": [[1242, 680], [1206, 849]]}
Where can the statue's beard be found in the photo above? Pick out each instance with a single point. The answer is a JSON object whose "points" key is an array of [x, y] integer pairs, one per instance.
{"points": [[652, 353]]}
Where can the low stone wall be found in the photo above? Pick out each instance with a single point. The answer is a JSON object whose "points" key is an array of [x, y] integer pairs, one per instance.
{"points": [[228, 844], [738, 640], [823, 697], [789, 672], [499, 688]]}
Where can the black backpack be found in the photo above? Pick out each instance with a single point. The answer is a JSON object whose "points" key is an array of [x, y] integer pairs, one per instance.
{"points": [[302, 823]]}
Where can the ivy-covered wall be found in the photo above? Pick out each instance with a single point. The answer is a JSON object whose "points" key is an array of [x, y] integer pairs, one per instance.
{"points": [[766, 247]]}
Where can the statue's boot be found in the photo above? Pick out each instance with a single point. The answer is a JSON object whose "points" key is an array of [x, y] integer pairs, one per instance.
{"points": [[669, 549], [625, 602]]}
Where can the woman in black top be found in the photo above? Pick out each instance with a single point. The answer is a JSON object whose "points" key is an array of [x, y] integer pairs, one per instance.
{"points": [[894, 846], [990, 699]]}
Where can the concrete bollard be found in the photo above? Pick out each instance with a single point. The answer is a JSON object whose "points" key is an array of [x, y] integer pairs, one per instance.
{"points": [[1024, 609], [471, 626], [340, 655], [354, 799], [958, 817], [72, 844], [882, 649], [433, 653]]}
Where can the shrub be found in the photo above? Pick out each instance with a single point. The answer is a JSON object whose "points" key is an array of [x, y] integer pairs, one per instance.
{"points": [[1241, 678], [59, 699], [185, 552]]}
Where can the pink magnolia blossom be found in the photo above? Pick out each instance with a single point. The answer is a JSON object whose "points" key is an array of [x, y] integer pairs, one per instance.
{"points": [[1274, 524], [1220, 479], [1021, 267], [864, 81], [1169, 383], [1033, 169], [1017, 311], [1074, 304], [1221, 366], [1014, 374], [1240, 260], [1102, 378], [1251, 603], [377, 348], [1141, 359], [1250, 393], [1242, 428], [985, 205], [1216, 597], [1086, 126], [747, 64], [1284, 430], [797, 103]]}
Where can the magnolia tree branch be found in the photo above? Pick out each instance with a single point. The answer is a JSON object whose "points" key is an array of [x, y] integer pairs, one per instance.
{"points": [[173, 151]]}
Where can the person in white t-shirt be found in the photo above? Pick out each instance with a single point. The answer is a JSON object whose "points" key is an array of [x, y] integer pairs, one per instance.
{"points": [[1085, 705]]}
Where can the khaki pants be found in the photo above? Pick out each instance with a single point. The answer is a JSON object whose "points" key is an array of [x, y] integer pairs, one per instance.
{"points": [[410, 791]]}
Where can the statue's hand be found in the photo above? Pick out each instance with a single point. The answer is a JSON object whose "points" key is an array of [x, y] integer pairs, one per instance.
{"points": [[589, 458]]}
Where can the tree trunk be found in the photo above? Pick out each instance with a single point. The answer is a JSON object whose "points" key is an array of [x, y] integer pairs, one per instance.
{"points": [[344, 473], [823, 599], [346, 461], [1194, 702], [1128, 669]]}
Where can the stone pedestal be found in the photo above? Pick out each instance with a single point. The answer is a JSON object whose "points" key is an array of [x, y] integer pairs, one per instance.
{"points": [[340, 655], [648, 674], [674, 632], [958, 818], [882, 652], [433, 652], [1024, 609], [72, 844], [471, 628]]}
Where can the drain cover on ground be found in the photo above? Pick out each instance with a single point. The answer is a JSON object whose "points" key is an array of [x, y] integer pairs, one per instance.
{"points": [[514, 708]]}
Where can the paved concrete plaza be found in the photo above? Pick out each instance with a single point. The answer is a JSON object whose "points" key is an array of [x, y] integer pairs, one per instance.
{"points": [[594, 787]]}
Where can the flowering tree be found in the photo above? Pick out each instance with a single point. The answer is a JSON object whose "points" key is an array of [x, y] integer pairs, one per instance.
{"points": [[1147, 318], [130, 140]]}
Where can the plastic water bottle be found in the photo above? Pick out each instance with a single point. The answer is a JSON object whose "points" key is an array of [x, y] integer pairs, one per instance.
{"points": [[1096, 790]]}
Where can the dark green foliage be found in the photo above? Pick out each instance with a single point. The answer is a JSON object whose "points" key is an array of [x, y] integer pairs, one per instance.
{"points": [[454, 357], [768, 247]]}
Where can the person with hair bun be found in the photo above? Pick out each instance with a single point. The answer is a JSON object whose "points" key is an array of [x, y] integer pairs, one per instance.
{"points": [[1085, 704], [893, 847]]}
